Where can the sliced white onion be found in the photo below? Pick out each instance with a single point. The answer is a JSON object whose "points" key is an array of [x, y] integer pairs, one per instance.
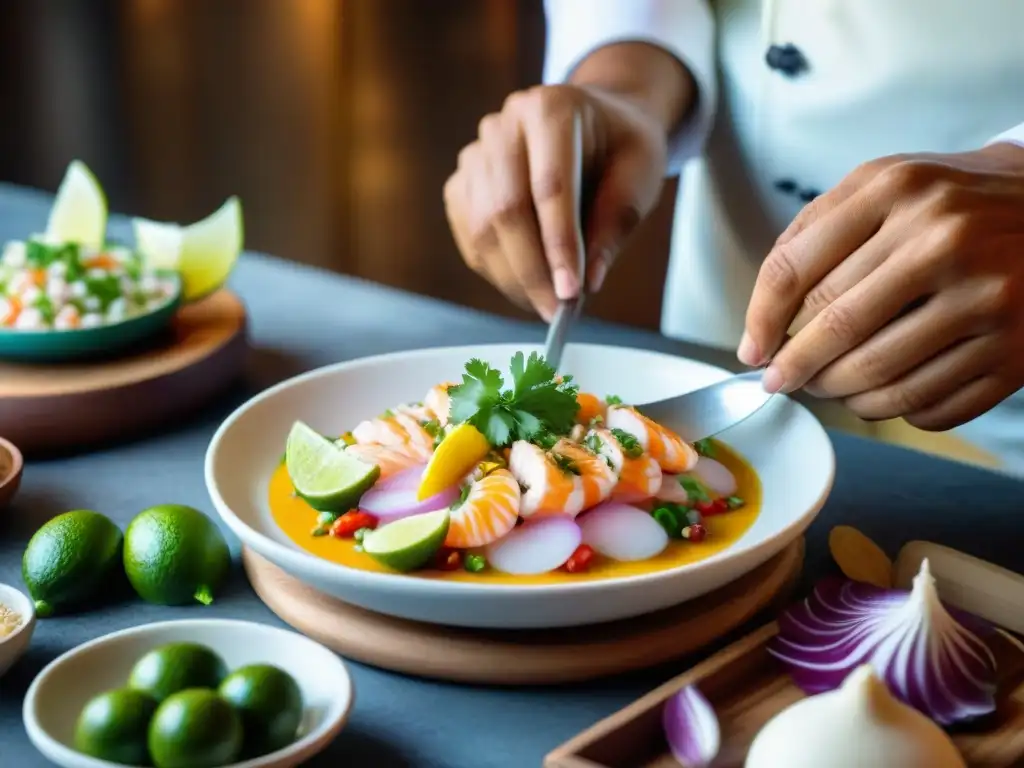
{"points": [[395, 497], [671, 490], [622, 532], [715, 475], [539, 545]]}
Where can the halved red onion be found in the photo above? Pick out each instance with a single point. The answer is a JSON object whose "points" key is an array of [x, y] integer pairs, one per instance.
{"points": [[930, 658], [539, 545], [672, 490], [622, 532], [395, 497], [715, 475], [691, 728]]}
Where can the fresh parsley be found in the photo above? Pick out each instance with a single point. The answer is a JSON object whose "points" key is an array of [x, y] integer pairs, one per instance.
{"points": [[613, 400], [536, 403], [628, 443]]}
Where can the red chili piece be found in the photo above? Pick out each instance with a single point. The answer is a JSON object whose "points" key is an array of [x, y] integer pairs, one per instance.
{"points": [[579, 560], [695, 532], [448, 560], [346, 525], [712, 507]]}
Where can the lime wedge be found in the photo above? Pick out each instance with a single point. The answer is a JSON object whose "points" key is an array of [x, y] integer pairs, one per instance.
{"points": [[203, 253], [79, 212], [329, 479], [409, 543]]}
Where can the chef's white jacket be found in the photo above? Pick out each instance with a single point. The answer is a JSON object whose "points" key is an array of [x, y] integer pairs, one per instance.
{"points": [[792, 96]]}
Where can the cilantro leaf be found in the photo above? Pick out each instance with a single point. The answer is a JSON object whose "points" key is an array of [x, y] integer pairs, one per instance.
{"points": [[527, 424], [497, 426], [613, 400]]}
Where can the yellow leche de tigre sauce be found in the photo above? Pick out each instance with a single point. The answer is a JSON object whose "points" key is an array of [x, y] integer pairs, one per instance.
{"points": [[297, 519]]}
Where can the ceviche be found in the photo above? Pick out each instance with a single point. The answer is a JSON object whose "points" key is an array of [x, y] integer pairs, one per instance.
{"points": [[532, 481]]}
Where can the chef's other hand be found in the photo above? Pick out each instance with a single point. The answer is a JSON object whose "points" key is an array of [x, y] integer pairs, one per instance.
{"points": [[903, 288], [510, 201]]}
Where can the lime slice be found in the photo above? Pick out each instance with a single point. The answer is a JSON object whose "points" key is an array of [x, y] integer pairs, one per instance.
{"points": [[79, 212], [203, 253], [329, 479], [409, 543]]}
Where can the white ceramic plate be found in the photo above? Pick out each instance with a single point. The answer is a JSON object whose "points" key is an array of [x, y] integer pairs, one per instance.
{"points": [[62, 688], [784, 442], [14, 645]]}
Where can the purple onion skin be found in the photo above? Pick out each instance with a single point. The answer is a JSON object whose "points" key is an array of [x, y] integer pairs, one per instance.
{"points": [[840, 626], [691, 728]]}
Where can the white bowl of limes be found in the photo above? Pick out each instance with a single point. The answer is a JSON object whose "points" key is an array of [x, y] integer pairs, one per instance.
{"points": [[177, 694]]}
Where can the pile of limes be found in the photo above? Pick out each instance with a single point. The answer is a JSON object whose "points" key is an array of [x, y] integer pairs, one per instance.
{"points": [[171, 555], [182, 709]]}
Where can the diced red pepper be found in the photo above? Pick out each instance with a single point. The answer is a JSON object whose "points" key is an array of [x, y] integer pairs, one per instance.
{"points": [[695, 532], [346, 526], [579, 561], [712, 507], [448, 560]]}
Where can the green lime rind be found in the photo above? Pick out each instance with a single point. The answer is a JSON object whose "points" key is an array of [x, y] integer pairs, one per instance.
{"points": [[270, 704], [71, 560], [175, 667], [324, 475], [175, 555], [114, 726], [409, 543], [195, 728]]}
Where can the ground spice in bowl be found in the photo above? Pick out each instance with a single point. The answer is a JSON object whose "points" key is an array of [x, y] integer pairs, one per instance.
{"points": [[9, 620]]}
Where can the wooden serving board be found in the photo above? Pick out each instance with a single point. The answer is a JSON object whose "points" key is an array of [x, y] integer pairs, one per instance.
{"points": [[522, 657], [58, 407]]}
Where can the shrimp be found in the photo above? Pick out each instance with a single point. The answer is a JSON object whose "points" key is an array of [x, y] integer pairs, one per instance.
{"points": [[488, 512], [671, 452], [438, 402], [418, 411], [595, 476], [390, 460], [591, 407], [398, 430], [549, 487], [640, 476]]}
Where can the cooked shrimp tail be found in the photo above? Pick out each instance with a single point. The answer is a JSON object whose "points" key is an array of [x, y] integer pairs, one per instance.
{"points": [[488, 512]]}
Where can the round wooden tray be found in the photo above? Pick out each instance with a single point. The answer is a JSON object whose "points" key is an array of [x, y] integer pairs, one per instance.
{"points": [[59, 407], [522, 657]]}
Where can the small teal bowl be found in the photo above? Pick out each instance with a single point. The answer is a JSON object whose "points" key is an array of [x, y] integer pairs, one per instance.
{"points": [[76, 344]]}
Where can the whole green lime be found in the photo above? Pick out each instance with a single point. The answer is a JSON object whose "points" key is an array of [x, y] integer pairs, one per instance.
{"points": [[70, 559], [175, 667], [270, 703], [114, 726], [195, 728], [175, 554]]}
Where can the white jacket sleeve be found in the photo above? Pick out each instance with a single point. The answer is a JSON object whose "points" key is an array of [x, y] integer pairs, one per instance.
{"points": [[684, 28], [1015, 135]]}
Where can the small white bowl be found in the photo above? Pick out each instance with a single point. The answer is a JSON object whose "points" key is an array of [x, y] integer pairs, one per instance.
{"points": [[14, 645], [62, 688]]}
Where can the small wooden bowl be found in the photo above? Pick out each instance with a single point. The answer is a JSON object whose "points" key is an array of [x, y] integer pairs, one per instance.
{"points": [[11, 467]]}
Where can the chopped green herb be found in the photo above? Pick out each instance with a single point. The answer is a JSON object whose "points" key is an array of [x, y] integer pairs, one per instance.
{"points": [[388, 414], [694, 489], [613, 400], [597, 421], [668, 520], [705, 447], [593, 443], [474, 563], [45, 306], [463, 495], [536, 403], [107, 288], [326, 518], [319, 531], [630, 446], [360, 534], [565, 464], [432, 427], [41, 255], [734, 502], [545, 440]]}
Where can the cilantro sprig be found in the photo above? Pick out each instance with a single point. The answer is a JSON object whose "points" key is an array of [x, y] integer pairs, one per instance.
{"points": [[537, 403]]}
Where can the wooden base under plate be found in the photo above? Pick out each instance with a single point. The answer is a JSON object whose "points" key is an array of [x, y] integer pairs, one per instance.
{"points": [[522, 657], [59, 407]]}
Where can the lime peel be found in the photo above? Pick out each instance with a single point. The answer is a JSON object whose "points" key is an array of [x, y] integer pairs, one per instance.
{"points": [[408, 543], [328, 478]]}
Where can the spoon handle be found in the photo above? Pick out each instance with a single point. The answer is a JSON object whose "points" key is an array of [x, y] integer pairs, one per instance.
{"points": [[569, 310]]}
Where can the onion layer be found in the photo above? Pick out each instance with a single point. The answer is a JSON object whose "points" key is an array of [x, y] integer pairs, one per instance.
{"points": [[622, 532], [395, 497], [715, 475], [929, 658], [539, 545], [691, 728]]}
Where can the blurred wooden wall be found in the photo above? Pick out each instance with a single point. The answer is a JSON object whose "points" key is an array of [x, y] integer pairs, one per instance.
{"points": [[336, 121]]}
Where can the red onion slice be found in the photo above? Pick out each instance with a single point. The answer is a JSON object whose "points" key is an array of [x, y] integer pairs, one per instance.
{"points": [[539, 545], [715, 475], [691, 728], [622, 532], [395, 497], [927, 656]]}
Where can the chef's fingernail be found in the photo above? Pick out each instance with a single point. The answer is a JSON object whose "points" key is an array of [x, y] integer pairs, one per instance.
{"points": [[772, 380], [748, 353], [600, 272], [566, 284]]}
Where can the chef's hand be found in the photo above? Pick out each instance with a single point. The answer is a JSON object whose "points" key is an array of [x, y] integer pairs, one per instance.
{"points": [[510, 202], [903, 288]]}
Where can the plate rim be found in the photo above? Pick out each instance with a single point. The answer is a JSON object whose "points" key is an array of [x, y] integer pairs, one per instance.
{"points": [[293, 558]]}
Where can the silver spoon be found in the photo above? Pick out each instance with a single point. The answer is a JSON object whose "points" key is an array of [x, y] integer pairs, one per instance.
{"points": [[569, 310]]}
